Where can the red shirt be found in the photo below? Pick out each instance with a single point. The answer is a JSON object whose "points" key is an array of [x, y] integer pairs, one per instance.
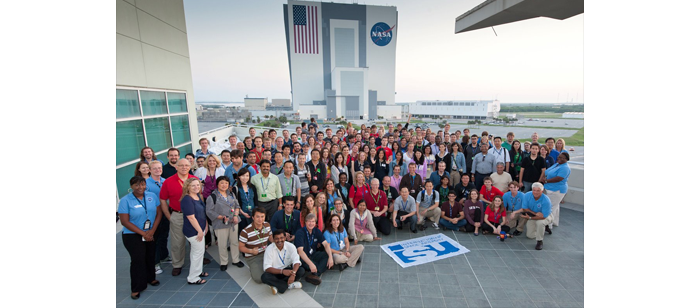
{"points": [[358, 194], [172, 190], [494, 218], [387, 151], [489, 195], [258, 154], [376, 202]]}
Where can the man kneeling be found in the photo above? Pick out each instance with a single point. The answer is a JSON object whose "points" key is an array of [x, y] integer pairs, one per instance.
{"points": [[282, 265], [309, 241]]}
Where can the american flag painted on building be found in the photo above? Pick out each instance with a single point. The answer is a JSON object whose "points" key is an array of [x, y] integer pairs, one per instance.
{"points": [[305, 29]]}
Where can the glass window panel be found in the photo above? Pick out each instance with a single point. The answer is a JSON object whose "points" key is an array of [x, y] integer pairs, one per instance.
{"points": [[129, 140], [184, 150], [177, 102], [181, 129], [127, 104], [124, 174], [153, 103], [158, 133]]}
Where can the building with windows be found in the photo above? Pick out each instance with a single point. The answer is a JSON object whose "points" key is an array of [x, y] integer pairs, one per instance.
{"points": [[476, 110], [154, 95], [342, 58]]}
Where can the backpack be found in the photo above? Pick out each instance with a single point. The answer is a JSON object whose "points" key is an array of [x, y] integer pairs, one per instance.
{"points": [[423, 195]]}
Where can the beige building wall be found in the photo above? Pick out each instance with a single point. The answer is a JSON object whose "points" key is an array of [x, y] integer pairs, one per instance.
{"points": [[255, 103], [152, 49]]}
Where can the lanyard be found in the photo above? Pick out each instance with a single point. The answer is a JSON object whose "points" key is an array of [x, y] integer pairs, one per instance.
{"points": [[361, 224], [287, 221], [263, 184], [282, 257], [337, 236], [404, 204], [413, 177], [142, 205], [376, 200], [287, 183], [310, 238], [451, 205]]}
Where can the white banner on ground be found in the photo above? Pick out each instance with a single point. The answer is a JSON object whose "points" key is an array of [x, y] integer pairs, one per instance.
{"points": [[423, 250]]}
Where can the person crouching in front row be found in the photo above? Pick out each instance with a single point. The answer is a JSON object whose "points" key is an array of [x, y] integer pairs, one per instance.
{"points": [[282, 265], [309, 242]]}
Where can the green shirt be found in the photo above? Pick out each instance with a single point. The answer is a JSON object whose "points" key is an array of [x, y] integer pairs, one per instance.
{"points": [[268, 189]]}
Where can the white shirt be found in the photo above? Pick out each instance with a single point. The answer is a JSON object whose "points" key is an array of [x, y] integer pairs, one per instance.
{"points": [[273, 256], [500, 156], [201, 172]]}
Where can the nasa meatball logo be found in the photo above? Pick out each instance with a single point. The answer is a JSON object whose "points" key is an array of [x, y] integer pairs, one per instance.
{"points": [[381, 34]]}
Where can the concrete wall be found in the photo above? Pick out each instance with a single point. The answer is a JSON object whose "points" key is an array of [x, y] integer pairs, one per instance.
{"points": [[255, 103], [152, 49]]}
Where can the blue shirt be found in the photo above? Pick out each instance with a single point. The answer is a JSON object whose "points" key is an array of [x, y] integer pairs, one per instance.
{"points": [[543, 205], [153, 186], [302, 237], [199, 153], [280, 220], [563, 171], [247, 200], [230, 170], [554, 154], [513, 203], [137, 213], [197, 208], [335, 238]]}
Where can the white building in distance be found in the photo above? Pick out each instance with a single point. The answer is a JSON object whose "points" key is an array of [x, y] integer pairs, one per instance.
{"points": [[255, 103], [471, 110]]}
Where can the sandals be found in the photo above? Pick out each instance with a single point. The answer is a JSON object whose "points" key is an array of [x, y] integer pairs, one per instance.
{"points": [[154, 283], [201, 281], [204, 274]]}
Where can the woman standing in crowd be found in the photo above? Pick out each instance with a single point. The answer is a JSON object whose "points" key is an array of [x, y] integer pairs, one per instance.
{"points": [[408, 156], [403, 167], [208, 174], [556, 184], [338, 166], [247, 198], [495, 217], [359, 165], [343, 187], [142, 170], [421, 165], [429, 160], [560, 146], [544, 153], [459, 164], [516, 160], [194, 228], [337, 237], [301, 173], [372, 158], [394, 149], [331, 193], [327, 160], [361, 225], [222, 211], [358, 190], [309, 206], [381, 166], [140, 215], [442, 155], [322, 201]]}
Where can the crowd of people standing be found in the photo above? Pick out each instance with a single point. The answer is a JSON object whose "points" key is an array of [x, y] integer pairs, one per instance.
{"points": [[289, 206]]}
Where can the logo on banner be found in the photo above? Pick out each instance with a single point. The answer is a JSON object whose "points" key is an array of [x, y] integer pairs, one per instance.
{"points": [[423, 250], [381, 34]]}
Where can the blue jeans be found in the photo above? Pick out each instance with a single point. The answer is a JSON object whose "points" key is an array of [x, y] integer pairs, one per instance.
{"points": [[413, 220], [451, 226]]}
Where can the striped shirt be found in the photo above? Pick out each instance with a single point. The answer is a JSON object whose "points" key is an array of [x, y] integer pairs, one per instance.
{"points": [[253, 239]]}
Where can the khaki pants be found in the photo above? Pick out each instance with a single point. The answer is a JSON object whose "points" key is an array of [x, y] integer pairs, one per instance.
{"points": [[355, 253], [555, 197], [255, 263], [177, 239], [518, 219], [363, 237], [433, 215], [535, 228], [455, 177], [223, 237]]}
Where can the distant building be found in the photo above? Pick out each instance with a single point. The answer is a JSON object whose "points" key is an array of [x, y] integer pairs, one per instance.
{"points": [[342, 58], [470, 110], [572, 115], [281, 102], [255, 103]]}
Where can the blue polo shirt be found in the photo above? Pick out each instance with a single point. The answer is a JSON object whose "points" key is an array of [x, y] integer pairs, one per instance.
{"points": [[139, 210], [513, 203], [153, 186], [543, 205], [230, 170], [302, 239], [563, 171], [189, 207], [335, 238]]}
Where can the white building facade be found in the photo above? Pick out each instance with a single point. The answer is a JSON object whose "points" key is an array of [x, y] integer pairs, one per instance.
{"points": [[342, 58], [471, 110]]}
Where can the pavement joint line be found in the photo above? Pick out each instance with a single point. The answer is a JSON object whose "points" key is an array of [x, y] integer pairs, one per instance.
{"points": [[475, 276], [239, 293]]}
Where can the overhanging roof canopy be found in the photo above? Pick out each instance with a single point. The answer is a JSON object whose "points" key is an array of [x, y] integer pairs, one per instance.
{"points": [[497, 12]]}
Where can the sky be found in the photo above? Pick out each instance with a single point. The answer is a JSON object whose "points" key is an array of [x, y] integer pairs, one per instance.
{"points": [[238, 48]]}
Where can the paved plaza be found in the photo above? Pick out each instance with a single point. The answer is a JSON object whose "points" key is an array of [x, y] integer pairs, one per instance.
{"points": [[492, 274]]}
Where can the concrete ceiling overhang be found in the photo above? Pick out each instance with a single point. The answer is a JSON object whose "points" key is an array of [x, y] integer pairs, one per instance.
{"points": [[497, 12]]}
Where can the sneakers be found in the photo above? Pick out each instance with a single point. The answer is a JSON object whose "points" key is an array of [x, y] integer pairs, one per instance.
{"points": [[436, 226], [158, 269], [167, 260], [539, 245], [295, 285], [274, 290], [516, 233], [547, 229]]}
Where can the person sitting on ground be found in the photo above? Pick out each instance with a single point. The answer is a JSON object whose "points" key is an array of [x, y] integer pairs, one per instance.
{"points": [[428, 206], [537, 209], [452, 213], [463, 188], [361, 225], [376, 201], [337, 238], [495, 217], [405, 209], [286, 219], [282, 265], [253, 241], [474, 210], [310, 246]]}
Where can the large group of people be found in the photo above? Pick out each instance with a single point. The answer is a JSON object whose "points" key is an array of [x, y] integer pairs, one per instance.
{"points": [[296, 205]]}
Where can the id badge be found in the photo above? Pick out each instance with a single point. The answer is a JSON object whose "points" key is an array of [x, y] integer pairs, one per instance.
{"points": [[264, 195], [342, 245], [289, 194], [311, 251], [147, 224], [315, 179], [413, 191], [376, 208]]}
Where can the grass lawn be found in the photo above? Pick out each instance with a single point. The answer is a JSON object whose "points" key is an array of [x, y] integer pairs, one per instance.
{"points": [[524, 126], [575, 140], [542, 115]]}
